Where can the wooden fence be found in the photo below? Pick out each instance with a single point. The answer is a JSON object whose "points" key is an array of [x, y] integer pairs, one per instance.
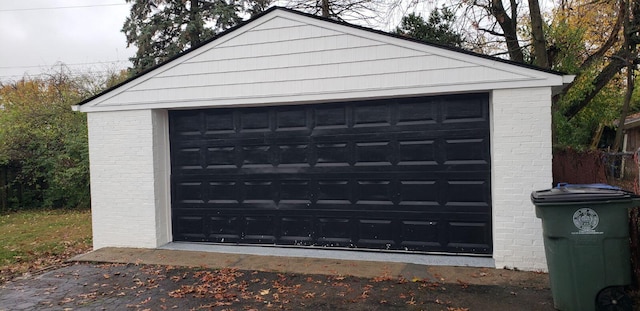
{"points": [[618, 169]]}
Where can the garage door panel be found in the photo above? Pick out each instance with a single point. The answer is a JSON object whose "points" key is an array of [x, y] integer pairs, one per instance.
{"points": [[392, 231], [374, 192], [336, 231], [377, 153], [187, 124], [295, 191], [333, 154], [469, 236], [190, 228], [376, 233], [260, 228], [190, 192], [466, 151], [297, 230], [370, 115], [398, 174], [317, 122], [330, 117], [220, 123], [224, 156], [189, 158], [465, 110], [225, 228], [423, 233], [292, 119], [418, 113], [451, 189], [461, 149], [467, 191], [294, 155], [255, 120], [331, 170]]}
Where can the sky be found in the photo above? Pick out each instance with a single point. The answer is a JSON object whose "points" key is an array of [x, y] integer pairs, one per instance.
{"points": [[37, 35]]}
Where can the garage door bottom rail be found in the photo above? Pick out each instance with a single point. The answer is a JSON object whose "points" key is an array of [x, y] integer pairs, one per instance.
{"points": [[399, 233]]}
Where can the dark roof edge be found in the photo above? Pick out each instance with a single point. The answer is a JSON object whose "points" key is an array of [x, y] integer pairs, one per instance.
{"points": [[380, 32]]}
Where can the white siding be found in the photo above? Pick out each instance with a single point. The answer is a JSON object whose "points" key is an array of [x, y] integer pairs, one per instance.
{"points": [[129, 198], [288, 58], [521, 163]]}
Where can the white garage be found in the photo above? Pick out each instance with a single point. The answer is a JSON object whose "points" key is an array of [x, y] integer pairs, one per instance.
{"points": [[298, 133]]}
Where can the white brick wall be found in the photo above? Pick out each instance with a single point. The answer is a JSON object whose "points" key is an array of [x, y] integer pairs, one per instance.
{"points": [[521, 163], [126, 210]]}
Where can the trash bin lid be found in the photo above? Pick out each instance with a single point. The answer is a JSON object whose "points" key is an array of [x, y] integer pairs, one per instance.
{"points": [[568, 193]]}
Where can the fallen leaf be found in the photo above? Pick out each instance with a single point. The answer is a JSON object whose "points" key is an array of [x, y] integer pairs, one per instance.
{"points": [[410, 302], [264, 292], [463, 284]]}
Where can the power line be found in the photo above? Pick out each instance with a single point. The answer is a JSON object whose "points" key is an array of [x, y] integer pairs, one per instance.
{"points": [[63, 7], [79, 74], [65, 64]]}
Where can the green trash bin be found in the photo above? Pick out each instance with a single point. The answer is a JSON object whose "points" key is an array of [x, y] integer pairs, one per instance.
{"points": [[586, 241]]}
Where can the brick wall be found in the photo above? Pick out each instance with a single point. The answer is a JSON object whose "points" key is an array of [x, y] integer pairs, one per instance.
{"points": [[522, 157], [126, 166]]}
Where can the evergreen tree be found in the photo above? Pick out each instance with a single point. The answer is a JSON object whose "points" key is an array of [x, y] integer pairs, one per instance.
{"points": [[161, 29], [438, 28]]}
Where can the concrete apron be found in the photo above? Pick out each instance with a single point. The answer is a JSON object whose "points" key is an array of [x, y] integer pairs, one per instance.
{"points": [[299, 265]]}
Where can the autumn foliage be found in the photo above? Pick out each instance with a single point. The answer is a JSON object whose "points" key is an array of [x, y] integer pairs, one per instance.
{"points": [[43, 143]]}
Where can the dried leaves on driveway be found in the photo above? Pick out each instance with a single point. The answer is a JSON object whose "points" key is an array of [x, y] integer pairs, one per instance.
{"points": [[149, 287]]}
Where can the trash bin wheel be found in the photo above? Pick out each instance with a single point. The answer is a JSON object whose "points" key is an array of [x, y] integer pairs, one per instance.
{"points": [[613, 299]]}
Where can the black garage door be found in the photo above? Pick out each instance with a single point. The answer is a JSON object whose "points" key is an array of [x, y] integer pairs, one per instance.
{"points": [[399, 174]]}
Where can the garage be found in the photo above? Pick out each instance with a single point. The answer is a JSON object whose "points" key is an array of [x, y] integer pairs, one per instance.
{"points": [[320, 138], [398, 174]]}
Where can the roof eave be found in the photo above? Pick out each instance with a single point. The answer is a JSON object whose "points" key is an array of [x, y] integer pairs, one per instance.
{"points": [[566, 81]]}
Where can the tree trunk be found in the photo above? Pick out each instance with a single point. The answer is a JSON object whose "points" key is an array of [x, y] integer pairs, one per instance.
{"points": [[196, 30], [615, 65], [325, 8], [625, 109], [509, 28], [630, 49], [539, 42]]}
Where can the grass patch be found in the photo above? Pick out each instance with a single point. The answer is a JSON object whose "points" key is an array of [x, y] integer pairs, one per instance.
{"points": [[33, 240]]}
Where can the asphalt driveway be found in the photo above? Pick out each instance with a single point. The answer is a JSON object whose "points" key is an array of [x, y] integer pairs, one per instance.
{"points": [[131, 279]]}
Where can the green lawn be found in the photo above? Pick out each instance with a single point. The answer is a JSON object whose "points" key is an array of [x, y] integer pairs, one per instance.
{"points": [[32, 240]]}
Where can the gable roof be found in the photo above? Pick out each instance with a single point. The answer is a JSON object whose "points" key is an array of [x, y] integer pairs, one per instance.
{"points": [[284, 56]]}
